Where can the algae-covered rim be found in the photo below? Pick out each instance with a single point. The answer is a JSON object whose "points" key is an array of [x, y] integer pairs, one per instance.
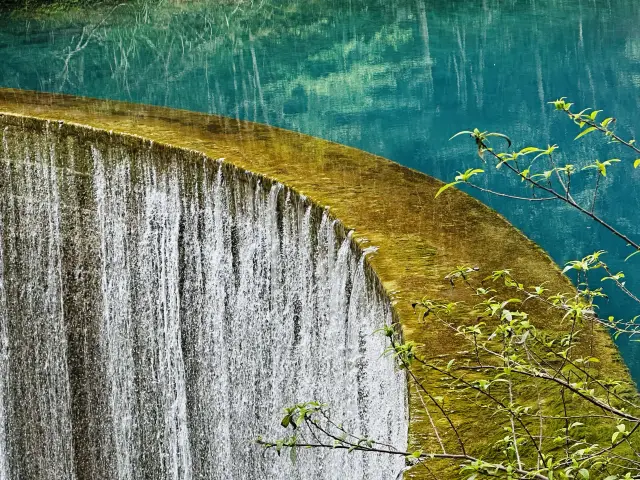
{"points": [[419, 239]]}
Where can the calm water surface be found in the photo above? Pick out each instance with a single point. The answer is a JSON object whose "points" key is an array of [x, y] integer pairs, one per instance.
{"points": [[392, 77]]}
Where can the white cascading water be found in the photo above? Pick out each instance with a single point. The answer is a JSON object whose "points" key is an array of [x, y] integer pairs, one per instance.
{"points": [[158, 312]]}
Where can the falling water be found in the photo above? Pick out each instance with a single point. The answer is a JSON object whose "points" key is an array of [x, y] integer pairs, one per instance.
{"points": [[159, 309]]}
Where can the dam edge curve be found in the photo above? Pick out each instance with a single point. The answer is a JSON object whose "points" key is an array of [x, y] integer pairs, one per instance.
{"points": [[417, 239]]}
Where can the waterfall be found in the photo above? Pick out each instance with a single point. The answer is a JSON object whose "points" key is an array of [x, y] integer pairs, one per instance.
{"points": [[158, 309]]}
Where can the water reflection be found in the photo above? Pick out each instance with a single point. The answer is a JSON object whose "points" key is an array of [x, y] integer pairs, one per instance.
{"points": [[396, 78]]}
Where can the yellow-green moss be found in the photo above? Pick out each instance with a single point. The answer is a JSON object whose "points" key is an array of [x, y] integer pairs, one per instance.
{"points": [[419, 239]]}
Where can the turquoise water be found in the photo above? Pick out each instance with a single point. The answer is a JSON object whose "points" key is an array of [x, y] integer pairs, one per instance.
{"points": [[392, 77]]}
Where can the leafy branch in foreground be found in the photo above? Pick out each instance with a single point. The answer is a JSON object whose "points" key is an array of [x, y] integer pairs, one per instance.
{"points": [[550, 410], [537, 167], [507, 357]]}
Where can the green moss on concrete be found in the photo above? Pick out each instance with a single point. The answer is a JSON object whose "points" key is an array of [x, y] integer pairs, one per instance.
{"points": [[419, 239]]}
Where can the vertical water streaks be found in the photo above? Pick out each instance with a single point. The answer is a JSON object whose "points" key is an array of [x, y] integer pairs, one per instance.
{"points": [[159, 367], [36, 395], [116, 336], [212, 300], [4, 349]]}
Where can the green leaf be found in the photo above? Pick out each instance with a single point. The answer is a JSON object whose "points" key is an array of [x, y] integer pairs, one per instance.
{"points": [[584, 473], [583, 112], [464, 177], [634, 253], [445, 187], [467, 132], [416, 454], [602, 168], [585, 132], [527, 150], [607, 121], [560, 104]]}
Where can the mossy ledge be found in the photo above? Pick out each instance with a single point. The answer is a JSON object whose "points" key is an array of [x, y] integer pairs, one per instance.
{"points": [[418, 239]]}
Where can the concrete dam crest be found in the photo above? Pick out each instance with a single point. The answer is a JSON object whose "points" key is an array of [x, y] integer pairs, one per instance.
{"points": [[159, 309], [170, 280]]}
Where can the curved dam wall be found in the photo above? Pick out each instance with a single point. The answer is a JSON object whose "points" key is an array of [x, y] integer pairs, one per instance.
{"points": [[158, 309], [174, 165]]}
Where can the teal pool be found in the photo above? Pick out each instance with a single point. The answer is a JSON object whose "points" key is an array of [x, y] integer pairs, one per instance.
{"points": [[393, 77]]}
